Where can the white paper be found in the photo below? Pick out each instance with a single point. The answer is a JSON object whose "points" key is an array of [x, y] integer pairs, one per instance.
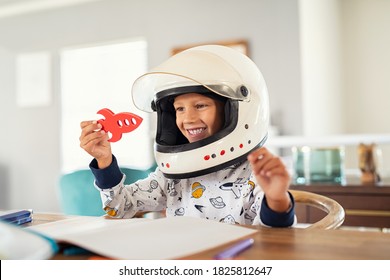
{"points": [[19, 244], [143, 239]]}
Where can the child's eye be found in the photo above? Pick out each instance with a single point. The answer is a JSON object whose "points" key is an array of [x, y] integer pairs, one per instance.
{"points": [[200, 106], [179, 109]]}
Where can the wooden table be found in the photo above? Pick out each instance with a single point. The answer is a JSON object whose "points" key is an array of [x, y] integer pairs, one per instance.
{"points": [[290, 243], [301, 244], [364, 205]]}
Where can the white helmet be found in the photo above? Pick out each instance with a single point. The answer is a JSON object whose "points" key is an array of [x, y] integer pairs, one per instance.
{"points": [[218, 72]]}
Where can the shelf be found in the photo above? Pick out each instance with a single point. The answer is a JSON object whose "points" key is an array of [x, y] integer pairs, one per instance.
{"points": [[327, 141]]}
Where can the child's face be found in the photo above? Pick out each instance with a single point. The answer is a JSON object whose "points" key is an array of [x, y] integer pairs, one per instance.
{"points": [[198, 116]]}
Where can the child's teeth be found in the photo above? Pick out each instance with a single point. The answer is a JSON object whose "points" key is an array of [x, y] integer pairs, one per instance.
{"points": [[195, 131]]}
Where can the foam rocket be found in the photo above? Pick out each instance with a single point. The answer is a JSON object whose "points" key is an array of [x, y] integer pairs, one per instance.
{"points": [[117, 124]]}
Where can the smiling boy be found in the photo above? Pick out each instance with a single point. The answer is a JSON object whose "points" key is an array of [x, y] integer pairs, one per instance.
{"points": [[212, 119]]}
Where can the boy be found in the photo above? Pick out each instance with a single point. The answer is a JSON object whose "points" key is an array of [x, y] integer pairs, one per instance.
{"points": [[212, 119]]}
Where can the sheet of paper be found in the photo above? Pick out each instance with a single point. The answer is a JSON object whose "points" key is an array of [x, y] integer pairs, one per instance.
{"points": [[143, 239], [16, 243]]}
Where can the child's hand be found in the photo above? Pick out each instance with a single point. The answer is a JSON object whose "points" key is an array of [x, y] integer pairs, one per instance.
{"points": [[273, 178], [94, 141]]}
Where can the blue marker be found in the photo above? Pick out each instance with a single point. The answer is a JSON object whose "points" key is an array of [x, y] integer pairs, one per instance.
{"points": [[234, 250], [17, 217]]}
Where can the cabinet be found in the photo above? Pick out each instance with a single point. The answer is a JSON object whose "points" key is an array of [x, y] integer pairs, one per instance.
{"points": [[364, 205]]}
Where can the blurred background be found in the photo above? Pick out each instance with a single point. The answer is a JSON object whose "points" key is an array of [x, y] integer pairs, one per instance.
{"points": [[326, 64]]}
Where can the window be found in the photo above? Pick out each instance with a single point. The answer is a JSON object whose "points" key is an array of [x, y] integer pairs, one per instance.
{"points": [[99, 77]]}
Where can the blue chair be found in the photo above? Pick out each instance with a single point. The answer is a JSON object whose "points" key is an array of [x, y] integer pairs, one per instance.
{"points": [[133, 175], [77, 193]]}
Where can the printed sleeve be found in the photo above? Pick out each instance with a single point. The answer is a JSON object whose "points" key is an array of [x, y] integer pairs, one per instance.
{"points": [[124, 201], [108, 177], [275, 219]]}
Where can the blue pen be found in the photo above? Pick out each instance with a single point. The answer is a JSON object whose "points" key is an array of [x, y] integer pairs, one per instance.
{"points": [[234, 250]]}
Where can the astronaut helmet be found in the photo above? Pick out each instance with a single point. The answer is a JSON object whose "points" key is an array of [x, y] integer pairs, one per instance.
{"points": [[219, 72]]}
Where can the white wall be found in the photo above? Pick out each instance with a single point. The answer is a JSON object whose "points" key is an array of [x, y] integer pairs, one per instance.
{"points": [[6, 93], [322, 90], [345, 66], [367, 65], [29, 149]]}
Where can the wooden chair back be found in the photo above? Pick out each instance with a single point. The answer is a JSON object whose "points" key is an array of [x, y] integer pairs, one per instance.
{"points": [[335, 212]]}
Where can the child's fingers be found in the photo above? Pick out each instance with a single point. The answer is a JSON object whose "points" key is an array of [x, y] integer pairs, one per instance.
{"points": [[88, 127], [259, 154], [276, 170], [92, 139], [267, 164], [84, 124], [261, 161]]}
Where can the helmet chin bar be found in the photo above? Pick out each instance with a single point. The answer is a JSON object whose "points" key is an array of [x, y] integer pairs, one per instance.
{"points": [[215, 168]]}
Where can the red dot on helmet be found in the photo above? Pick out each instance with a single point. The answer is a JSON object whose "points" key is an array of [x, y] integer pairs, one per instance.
{"points": [[222, 152], [206, 157], [241, 145]]}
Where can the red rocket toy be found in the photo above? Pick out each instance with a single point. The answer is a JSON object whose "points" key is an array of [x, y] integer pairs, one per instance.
{"points": [[116, 124]]}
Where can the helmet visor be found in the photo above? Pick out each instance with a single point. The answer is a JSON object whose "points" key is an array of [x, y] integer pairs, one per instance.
{"points": [[189, 68]]}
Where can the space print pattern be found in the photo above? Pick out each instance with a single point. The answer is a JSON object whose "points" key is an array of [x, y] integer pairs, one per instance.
{"points": [[230, 195]]}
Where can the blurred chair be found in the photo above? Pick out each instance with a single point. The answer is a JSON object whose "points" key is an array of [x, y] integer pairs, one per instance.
{"points": [[133, 175], [77, 193], [335, 213]]}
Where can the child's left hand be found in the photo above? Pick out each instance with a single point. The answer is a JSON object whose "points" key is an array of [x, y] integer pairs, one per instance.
{"points": [[273, 177]]}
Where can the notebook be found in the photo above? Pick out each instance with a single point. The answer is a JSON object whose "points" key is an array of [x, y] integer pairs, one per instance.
{"points": [[143, 239]]}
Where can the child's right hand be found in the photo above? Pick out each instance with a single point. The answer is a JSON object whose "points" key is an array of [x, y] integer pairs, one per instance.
{"points": [[94, 141]]}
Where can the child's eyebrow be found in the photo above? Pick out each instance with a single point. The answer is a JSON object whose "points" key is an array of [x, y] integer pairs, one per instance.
{"points": [[193, 100]]}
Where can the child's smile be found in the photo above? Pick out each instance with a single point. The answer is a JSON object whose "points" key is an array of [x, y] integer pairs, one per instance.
{"points": [[197, 131], [196, 134]]}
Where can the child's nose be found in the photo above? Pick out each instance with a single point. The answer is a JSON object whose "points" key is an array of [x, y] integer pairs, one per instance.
{"points": [[190, 115]]}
